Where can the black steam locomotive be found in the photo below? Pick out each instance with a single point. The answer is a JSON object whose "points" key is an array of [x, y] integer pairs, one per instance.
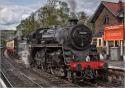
{"points": [[67, 52]]}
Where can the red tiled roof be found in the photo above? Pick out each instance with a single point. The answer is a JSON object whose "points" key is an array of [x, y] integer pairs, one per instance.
{"points": [[115, 8]]}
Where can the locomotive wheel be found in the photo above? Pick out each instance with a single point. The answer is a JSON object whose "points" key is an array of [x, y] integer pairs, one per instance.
{"points": [[38, 60], [52, 71], [71, 77], [103, 75], [58, 72], [32, 62], [42, 60], [43, 67], [56, 65]]}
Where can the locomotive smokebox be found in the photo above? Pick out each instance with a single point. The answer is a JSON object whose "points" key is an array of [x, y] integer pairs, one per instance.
{"points": [[80, 37], [73, 21]]}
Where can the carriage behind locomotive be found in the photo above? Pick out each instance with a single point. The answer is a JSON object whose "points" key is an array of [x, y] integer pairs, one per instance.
{"points": [[67, 52]]}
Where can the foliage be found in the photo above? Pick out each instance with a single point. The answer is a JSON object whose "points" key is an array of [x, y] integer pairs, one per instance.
{"points": [[28, 25], [56, 12]]}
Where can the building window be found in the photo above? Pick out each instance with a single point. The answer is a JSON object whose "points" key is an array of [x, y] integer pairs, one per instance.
{"points": [[111, 43], [106, 20], [116, 44], [94, 41], [100, 42], [104, 43]]}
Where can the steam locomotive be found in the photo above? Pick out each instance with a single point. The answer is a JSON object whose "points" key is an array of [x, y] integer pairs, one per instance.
{"points": [[67, 52]]}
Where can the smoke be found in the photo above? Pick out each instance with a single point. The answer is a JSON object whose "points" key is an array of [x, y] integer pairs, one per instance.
{"points": [[101, 56], [87, 58], [24, 56], [73, 6], [124, 58], [6, 54]]}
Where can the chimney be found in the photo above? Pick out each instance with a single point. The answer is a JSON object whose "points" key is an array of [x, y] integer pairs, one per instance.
{"points": [[73, 21]]}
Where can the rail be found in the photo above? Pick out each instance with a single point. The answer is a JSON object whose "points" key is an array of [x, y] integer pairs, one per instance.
{"points": [[116, 68], [116, 74], [6, 80]]}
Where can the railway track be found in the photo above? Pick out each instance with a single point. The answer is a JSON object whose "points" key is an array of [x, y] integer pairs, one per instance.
{"points": [[97, 83], [57, 81], [115, 78], [116, 75], [6, 80], [48, 80], [42, 79], [15, 78]]}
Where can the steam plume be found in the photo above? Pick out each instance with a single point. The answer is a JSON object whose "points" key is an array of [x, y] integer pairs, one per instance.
{"points": [[72, 4], [24, 56]]}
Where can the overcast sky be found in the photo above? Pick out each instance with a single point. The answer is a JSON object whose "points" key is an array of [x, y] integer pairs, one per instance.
{"points": [[13, 11]]}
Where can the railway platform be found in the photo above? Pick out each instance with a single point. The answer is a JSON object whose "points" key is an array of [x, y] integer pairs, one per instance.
{"points": [[117, 71], [117, 64]]}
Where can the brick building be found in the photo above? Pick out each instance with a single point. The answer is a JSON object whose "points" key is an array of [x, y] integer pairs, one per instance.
{"points": [[107, 13]]}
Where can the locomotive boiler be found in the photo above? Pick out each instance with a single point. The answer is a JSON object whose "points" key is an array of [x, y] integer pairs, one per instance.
{"points": [[67, 52]]}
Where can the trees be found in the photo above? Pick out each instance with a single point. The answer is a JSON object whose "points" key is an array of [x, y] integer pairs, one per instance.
{"points": [[28, 25], [56, 12], [63, 13]]}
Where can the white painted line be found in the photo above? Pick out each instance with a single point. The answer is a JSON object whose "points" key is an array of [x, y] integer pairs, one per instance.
{"points": [[2, 83], [115, 67]]}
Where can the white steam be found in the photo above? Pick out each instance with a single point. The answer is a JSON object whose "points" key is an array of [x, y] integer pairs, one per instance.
{"points": [[6, 54], [73, 5], [87, 58], [101, 56], [24, 56]]}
